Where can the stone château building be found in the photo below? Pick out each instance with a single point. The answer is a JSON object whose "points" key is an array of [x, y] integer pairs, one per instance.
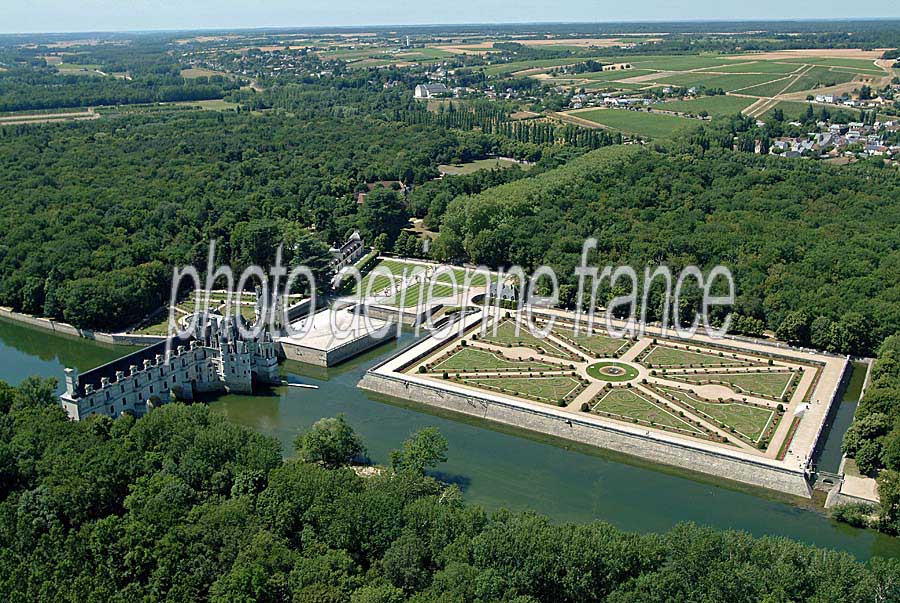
{"points": [[216, 358]]}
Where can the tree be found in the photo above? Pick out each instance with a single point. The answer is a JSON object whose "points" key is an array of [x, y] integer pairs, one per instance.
{"points": [[889, 500], [304, 248], [890, 450], [382, 213], [381, 242], [868, 457], [255, 243], [331, 442], [863, 429], [425, 449], [794, 328]]}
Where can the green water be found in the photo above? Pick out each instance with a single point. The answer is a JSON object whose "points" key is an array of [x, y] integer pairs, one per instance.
{"points": [[493, 466], [830, 457]]}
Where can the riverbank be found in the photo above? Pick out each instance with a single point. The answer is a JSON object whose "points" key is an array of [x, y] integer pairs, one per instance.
{"points": [[493, 465], [63, 328]]}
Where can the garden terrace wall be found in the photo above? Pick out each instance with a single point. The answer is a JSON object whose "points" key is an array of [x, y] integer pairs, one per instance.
{"points": [[634, 442]]}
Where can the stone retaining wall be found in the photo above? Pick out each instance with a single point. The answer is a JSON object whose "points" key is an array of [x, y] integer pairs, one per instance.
{"points": [[644, 446], [66, 329]]}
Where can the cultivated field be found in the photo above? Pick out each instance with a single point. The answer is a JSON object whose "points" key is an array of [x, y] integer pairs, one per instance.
{"points": [[641, 123]]}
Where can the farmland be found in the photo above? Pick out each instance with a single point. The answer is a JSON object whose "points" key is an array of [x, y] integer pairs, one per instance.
{"points": [[641, 123], [713, 105]]}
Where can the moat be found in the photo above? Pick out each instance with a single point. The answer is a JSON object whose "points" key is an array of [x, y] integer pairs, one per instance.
{"points": [[492, 465]]}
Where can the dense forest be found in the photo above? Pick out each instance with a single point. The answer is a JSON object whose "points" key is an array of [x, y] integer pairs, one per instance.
{"points": [[813, 247], [27, 90], [181, 505], [88, 208]]}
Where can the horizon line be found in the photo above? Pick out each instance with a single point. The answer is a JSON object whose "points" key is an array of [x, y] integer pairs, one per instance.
{"points": [[315, 28]]}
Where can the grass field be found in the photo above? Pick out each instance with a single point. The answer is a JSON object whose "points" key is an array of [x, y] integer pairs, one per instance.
{"points": [[797, 110], [478, 165], [513, 66], [679, 63], [506, 335], [728, 82], [617, 74], [854, 64], [469, 359], [551, 389], [773, 67], [712, 105], [76, 69], [818, 77], [642, 123], [770, 88], [626, 404], [749, 421], [770, 385], [665, 356], [614, 85], [195, 72]]}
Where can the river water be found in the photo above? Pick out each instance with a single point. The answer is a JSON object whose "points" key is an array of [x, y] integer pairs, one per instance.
{"points": [[492, 465]]}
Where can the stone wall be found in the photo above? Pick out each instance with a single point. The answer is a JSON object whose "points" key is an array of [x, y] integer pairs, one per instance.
{"points": [[333, 356], [644, 446], [67, 329]]}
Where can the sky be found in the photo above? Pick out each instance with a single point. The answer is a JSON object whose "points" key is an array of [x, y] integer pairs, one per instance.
{"points": [[20, 16]]}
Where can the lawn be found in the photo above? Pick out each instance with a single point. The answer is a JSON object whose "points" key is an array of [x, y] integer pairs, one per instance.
{"points": [[552, 388], [426, 294], [506, 336], [478, 165], [458, 277], [642, 123], [470, 359], [626, 404], [381, 279], [747, 420], [768, 384], [712, 105], [623, 372], [601, 346], [665, 356]]}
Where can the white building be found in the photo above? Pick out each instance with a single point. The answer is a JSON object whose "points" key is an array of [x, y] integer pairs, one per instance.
{"points": [[215, 359], [430, 90]]}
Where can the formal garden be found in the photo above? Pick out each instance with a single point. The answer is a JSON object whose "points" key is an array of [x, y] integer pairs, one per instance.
{"points": [[713, 391]]}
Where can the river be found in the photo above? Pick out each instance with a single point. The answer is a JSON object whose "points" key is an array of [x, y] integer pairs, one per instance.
{"points": [[492, 465]]}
